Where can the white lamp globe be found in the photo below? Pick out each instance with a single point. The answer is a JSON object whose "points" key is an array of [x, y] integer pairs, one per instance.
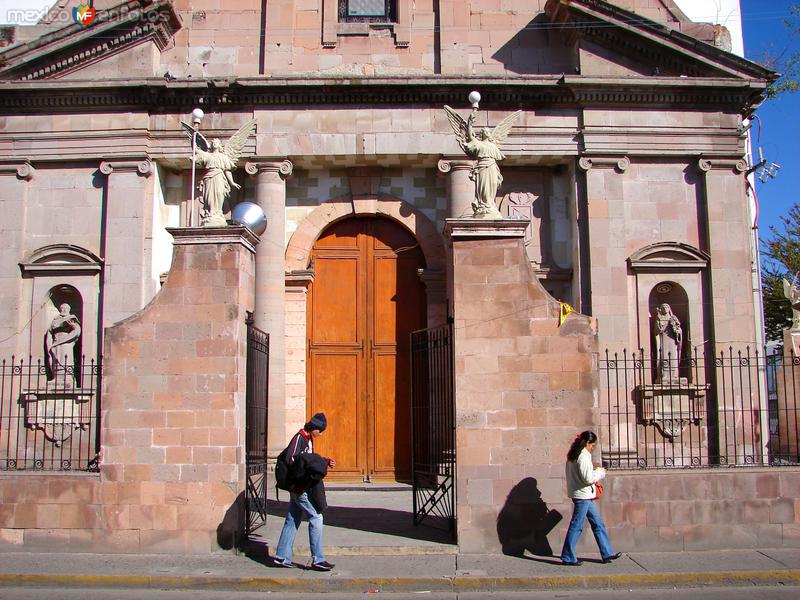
{"points": [[197, 115], [474, 98], [250, 215]]}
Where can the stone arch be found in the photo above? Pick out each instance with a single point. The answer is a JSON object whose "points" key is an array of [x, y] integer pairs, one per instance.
{"points": [[430, 241]]}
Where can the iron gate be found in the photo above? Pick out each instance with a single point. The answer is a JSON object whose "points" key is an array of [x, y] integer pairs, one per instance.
{"points": [[433, 426], [256, 428]]}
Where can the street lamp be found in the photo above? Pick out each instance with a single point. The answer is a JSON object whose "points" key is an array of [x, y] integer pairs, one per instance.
{"points": [[474, 98], [197, 118]]}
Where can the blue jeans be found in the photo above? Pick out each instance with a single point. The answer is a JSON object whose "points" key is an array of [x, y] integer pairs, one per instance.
{"points": [[581, 510], [300, 505]]}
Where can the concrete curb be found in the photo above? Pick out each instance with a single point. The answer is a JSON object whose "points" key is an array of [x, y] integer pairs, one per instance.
{"points": [[457, 583]]}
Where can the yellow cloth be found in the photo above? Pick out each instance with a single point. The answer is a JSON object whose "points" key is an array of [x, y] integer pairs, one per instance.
{"points": [[566, 310]]}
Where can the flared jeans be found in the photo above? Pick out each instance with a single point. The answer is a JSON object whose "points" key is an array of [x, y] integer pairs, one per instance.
{"points": [[582, 510]]}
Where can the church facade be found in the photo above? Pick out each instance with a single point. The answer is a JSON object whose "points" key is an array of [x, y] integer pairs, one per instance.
{"points": [[624, 189]]}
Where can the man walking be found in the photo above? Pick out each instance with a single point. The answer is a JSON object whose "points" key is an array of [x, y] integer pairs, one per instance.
{"points": [[307, 469]]}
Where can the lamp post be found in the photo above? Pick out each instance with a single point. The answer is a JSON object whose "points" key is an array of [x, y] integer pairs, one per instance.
{"points": [[197, 118]]}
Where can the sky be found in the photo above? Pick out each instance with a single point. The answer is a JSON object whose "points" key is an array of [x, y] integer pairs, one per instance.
{"points": [[764, 31], [762, 23]]}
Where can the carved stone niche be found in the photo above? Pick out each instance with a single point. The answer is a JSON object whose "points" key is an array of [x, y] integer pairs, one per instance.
{"points": [[672, 405]]}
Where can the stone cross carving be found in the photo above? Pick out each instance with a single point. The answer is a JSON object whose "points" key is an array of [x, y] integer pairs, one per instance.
{"points": [[669, 340], [483, 147], [219, 161]]}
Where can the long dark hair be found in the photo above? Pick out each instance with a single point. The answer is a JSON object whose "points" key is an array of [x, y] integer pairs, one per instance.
{"points": [[587, 437]]}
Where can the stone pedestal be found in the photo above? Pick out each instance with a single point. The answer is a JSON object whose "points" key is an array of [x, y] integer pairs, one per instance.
{"points": [[173, 408], [671, 405], [524, 387]]}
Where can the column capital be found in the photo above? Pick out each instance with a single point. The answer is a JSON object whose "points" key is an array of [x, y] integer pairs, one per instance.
{"points": [[447, 164], [22, 169], [143, 167], [298, 281], [283, 167], [708, 163], [620, 163]]}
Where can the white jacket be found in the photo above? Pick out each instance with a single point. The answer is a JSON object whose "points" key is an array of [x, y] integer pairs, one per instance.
{"points": [[581, 476]]}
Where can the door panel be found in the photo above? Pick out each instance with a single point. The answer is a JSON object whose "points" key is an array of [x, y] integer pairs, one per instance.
{"points": [[336, 385], [365, 300]]}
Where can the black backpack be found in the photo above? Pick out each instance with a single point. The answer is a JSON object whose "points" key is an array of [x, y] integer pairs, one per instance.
{"points": [[283, 479]]}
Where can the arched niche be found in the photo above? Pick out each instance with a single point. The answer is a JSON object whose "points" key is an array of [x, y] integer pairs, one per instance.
{"points": [[674, 273], [53, 275]]}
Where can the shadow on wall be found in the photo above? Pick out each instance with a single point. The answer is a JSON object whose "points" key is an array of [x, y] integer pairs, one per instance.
{"points": [[230, 533], [525, 521], [537, 48]]}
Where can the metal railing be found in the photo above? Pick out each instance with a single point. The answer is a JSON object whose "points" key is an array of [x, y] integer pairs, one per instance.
{"points": [[257, 395], [734, 408], [49, 424], [433, 422]]}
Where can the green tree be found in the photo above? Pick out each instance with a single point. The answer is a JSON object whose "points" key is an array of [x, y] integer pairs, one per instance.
{"points": [[781, 259], [784, 61]]}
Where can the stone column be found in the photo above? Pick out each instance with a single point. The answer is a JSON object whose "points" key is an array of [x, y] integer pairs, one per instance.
{"points": [[270, 304], [127, 247], [728, 243], [460, 188], [603, 255], [14, 178]]}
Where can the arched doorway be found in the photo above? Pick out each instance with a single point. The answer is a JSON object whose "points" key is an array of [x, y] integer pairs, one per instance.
{"points": [[365, 300]]}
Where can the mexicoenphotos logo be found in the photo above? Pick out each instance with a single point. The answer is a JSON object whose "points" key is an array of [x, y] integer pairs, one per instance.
{"points": [[84, 14]]}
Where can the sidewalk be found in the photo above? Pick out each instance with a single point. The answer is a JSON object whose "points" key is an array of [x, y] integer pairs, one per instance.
{"points": [[375, 546], [419, 573]]}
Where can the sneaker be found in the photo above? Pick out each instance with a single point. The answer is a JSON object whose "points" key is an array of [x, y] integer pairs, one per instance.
{"points": [[577, 563], [282, 562], [322, 565], [614, 556]]}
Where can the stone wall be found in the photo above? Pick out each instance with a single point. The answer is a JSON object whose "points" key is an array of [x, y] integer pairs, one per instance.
{"points": [[172, 459], [701, 509], [523, 388]]}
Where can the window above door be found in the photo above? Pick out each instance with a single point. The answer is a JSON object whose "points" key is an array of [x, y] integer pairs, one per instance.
{"points": [[367, 11]]}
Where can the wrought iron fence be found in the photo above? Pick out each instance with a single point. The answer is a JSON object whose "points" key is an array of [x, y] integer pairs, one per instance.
{"points": [[738, 407], [49, 420], [433, 422], [257, 395]]}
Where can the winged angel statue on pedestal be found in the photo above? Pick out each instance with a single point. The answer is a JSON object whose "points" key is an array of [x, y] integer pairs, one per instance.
{"points": [[219, 160], [485, 150]]}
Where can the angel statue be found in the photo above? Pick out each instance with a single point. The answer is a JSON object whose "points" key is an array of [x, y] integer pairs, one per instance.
{"points": [[219, 160], [483, 148], [792, 293]]}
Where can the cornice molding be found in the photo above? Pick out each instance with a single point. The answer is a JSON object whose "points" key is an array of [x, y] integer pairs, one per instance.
{"points": [[241, 94], [232, 234], [76, 46]]}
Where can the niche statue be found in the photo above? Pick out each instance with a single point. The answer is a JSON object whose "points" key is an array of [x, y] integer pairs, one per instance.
{"points": [[669, 340], [61, 347]]}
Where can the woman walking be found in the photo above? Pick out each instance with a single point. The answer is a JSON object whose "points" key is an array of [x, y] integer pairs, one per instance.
{"points": [[581, 480]]}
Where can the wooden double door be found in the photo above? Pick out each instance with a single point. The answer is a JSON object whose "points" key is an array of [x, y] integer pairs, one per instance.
{"points": [[365, 300]]}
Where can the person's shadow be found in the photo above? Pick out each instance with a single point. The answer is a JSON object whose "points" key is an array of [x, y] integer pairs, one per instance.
{"points": [[524, 521]]}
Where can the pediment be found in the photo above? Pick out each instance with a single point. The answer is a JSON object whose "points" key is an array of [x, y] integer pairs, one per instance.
{"points": [[614, 41], [58, 259], [125, 29], [669, 256]]}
